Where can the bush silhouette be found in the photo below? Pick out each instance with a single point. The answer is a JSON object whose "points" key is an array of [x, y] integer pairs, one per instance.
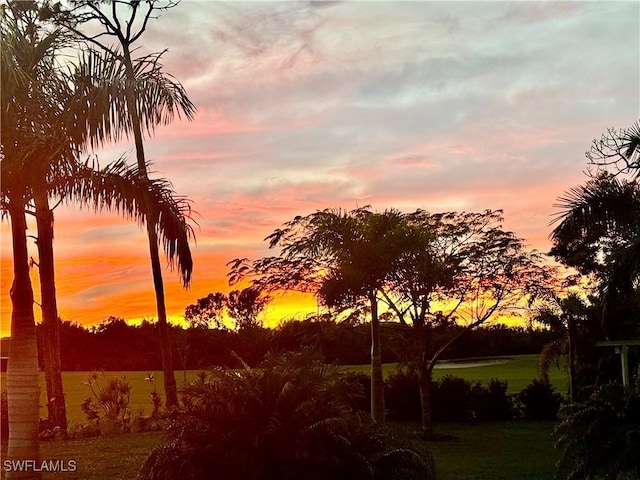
{"points": [[540, 401], [402, 396], [491, 403], [452, 399], [291, 418]]}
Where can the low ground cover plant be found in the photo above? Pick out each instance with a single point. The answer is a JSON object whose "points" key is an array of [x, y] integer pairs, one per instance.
{"points": [[108, 410]]}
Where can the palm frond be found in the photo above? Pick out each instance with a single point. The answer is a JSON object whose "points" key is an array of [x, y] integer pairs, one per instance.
{"points": [[122, 189], [101, 88], [606, 201], [631, 145]]}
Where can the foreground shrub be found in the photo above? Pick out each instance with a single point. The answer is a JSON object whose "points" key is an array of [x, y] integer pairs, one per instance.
{"points": [[292, 418], [600, 438], [539, 401], [362, 384]]}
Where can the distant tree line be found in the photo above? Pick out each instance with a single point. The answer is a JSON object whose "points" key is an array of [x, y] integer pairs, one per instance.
{"points": [[116, 345]]}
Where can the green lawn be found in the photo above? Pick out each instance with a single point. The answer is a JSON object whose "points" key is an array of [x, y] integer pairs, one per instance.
{"points": [[515, 450], [518, 371], [76, 390], [114, 457], [487, 451]]}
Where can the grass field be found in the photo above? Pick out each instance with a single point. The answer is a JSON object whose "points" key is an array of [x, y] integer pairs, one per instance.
{"points": [[113, 457], [488, 451], [518, 371], [517, 450]]}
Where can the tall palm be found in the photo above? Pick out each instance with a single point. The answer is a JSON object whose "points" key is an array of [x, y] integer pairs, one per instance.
{"points": [[93, 114], [49, 307], [44, 122], [167, 99], [31, 88]]}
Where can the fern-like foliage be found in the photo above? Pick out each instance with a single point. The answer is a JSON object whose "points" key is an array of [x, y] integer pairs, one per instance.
{"points": [[600, 438], [291, 418]]}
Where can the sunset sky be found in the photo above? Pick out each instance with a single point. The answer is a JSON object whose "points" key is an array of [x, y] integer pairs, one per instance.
{"points": [[302, 106]]}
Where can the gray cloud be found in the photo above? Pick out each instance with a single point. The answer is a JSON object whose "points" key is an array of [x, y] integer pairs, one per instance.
{"points": [[439, 105]]}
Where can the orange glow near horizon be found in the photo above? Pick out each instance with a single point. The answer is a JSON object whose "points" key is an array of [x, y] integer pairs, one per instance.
{"points": [[316, 109]]}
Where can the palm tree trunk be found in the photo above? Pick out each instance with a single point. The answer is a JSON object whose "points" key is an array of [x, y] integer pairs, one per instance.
{"points": [[50, 321], [170, 387], [23, 390], [377, 384]]}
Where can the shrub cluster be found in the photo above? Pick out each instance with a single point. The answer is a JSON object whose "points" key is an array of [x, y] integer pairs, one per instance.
{"points": [[539, 401], [599, 437], [457, 400]]}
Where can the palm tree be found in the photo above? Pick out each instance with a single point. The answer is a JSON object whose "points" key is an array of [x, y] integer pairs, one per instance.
{"points": [[142, 112], [94, 114], [48, 303], [115, 188], [31, 89], [119, 187], [564, 316], [44, 122], [599, 234]]}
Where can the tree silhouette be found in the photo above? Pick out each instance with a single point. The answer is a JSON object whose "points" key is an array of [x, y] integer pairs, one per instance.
{"points": [[458, 267], [125, 22], [617, 151], [207, 311], [245, 305], [342, 257]]}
